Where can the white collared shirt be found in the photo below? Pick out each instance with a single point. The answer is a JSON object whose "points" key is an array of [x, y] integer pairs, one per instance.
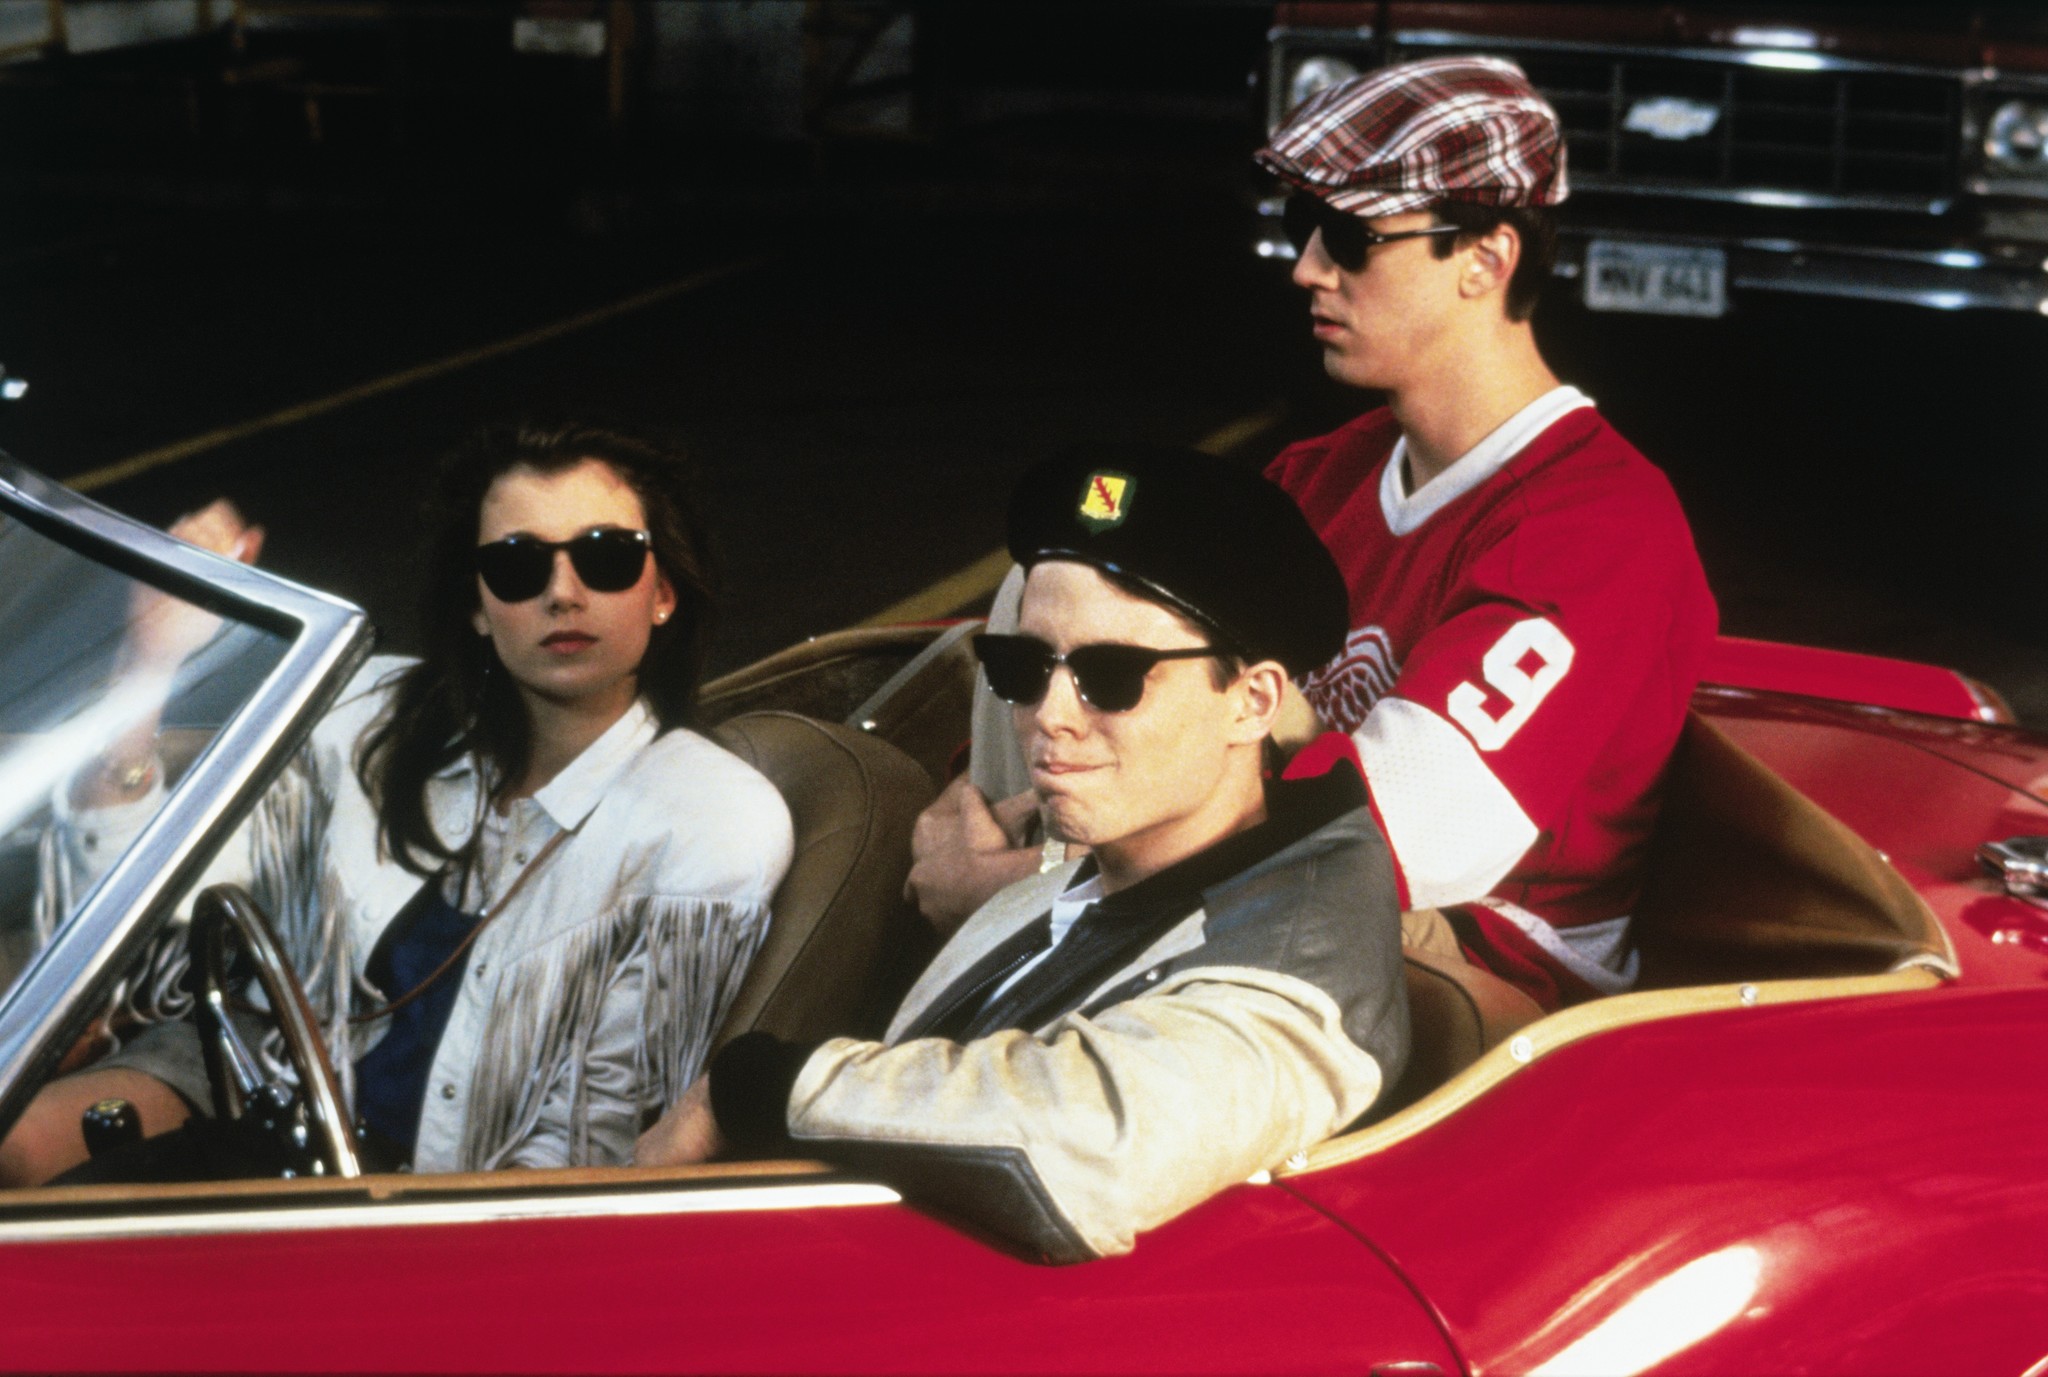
{"points": [[1066, 911], [508, 841]]}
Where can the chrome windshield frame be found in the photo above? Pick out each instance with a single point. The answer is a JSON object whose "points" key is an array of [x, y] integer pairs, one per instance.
{"points": [[325, 640]]}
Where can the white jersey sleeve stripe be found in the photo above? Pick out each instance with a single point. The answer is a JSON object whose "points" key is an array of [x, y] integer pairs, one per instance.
{"points": [[1454, 828]]}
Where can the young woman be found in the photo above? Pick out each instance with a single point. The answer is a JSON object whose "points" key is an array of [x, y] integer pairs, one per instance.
{"points": [[519, 889]]}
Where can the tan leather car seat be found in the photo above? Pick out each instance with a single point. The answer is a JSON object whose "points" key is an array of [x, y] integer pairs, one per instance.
{"points": [[843, 944], [1748, 879], [1457, 1011]]}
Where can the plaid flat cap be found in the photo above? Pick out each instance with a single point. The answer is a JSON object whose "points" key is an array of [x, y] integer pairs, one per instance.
{"points": [[1448, 129]]}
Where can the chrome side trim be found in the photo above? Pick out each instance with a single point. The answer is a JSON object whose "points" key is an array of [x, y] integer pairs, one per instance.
{"points": [[1964, 259], [425, 1214], [1779, 59], [1763, 196], [325, 639]]}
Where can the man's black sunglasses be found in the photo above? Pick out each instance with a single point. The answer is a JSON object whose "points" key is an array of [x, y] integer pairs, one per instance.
{"points": [[520, 567], [1107, 676], [1345, 237]]}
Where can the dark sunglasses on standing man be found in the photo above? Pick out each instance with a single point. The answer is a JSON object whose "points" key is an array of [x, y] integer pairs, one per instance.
{"points": [[1108, 676], [1345, 237], [520, 567]]}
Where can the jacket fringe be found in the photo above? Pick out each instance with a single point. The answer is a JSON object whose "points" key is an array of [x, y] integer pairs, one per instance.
{"points": [[691, 955], [287, 838]]}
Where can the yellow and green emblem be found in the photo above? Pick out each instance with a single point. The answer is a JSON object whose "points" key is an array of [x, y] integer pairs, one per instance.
{"points": [[1107, 499]]}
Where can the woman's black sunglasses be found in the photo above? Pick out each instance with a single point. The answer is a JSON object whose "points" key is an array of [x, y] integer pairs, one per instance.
{"points": [[520, 567], [1345, 237], [1107, 676]]}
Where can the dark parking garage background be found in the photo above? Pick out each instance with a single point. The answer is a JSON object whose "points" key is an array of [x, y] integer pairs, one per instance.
{"points": [[868, 260]]}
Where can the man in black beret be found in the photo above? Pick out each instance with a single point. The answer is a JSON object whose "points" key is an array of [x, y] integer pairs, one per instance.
{"points": [[1216, 987]]}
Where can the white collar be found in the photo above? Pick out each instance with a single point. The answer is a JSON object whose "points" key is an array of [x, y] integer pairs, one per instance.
{"points": [[570, 796], [1406, 512], [1068, 908]]}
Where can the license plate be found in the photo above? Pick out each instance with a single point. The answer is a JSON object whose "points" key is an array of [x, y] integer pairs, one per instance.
{"points": [[559, 37], [1662, 279]]}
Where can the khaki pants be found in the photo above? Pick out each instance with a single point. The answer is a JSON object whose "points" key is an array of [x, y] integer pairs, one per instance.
{"points": [[1426, 929]]}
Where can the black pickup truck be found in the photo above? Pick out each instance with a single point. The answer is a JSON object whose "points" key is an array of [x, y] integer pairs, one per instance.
{"points": [[1890, 152]]}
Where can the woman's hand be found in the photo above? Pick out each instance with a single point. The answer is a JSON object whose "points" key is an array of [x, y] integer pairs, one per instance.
{"points": [[687, 1134], [164, 631]]}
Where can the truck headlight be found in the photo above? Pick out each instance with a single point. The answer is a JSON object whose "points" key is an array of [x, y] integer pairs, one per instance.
{"points": [[2016, 139], [1317, 74]]}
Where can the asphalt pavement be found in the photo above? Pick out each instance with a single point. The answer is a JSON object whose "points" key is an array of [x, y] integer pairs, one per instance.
{"points": [[863, 353]]}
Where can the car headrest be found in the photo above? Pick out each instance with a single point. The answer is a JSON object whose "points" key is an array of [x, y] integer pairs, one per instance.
{"points": [[843, 944]]}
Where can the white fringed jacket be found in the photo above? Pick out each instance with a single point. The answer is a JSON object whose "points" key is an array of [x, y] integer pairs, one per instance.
{"points": [[592, 998]]}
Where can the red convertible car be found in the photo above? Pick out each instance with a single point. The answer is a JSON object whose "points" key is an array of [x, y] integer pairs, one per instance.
{"points": [[1814, 1140]]}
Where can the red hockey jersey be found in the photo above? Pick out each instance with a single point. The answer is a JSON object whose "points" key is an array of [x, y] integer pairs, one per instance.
{"points": [[1528, 631]]}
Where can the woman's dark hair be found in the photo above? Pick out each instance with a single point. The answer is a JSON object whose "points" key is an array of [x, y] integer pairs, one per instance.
{"points": [[1536, 226], [458, 698]]}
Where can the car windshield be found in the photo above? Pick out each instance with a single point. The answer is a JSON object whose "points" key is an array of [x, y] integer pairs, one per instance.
{"points": [[64, 701]]}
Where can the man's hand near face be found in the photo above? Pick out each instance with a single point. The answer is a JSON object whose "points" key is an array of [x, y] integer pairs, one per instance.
{"points": [[963, 850]]}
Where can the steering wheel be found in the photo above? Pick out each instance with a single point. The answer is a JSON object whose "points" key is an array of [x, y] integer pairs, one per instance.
{"points": [[309, 1125]]}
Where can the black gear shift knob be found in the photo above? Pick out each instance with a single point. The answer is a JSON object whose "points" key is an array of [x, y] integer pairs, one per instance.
{"points": [[110, 1124]]}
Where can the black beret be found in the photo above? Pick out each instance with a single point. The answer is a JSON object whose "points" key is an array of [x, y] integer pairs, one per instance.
{"points": [[1207, 537]]}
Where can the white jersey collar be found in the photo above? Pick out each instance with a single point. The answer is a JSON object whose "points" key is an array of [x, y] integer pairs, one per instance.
{"points": [[1405, 512]]}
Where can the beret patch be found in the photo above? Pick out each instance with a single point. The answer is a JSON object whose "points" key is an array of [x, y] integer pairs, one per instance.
{"points": [[1207, 537], [1106, 499]]}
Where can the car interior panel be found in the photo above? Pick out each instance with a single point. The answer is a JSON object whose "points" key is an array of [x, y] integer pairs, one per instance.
{"points": [[1750, 880]]}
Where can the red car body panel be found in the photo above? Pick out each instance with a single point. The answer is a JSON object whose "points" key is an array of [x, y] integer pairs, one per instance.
{"points": [[1845, 676], [1913, 1239], [1254, 1282]]}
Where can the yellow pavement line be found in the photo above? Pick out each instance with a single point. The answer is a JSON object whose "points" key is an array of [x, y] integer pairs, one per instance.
{"points": [[955, 590], [980, 578], [1231, 434], [392, 382]]}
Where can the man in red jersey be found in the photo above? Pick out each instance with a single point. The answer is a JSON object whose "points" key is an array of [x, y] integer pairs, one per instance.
{"points": [[1529, 616]]}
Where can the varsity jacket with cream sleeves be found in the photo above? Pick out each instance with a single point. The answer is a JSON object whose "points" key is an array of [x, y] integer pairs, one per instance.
{"points": [[591, 999], [1188, 1032], [1528, 630]]}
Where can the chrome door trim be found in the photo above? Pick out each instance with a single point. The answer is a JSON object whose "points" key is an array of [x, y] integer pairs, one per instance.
{"points": [[256, 1217], [326, 639]]}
